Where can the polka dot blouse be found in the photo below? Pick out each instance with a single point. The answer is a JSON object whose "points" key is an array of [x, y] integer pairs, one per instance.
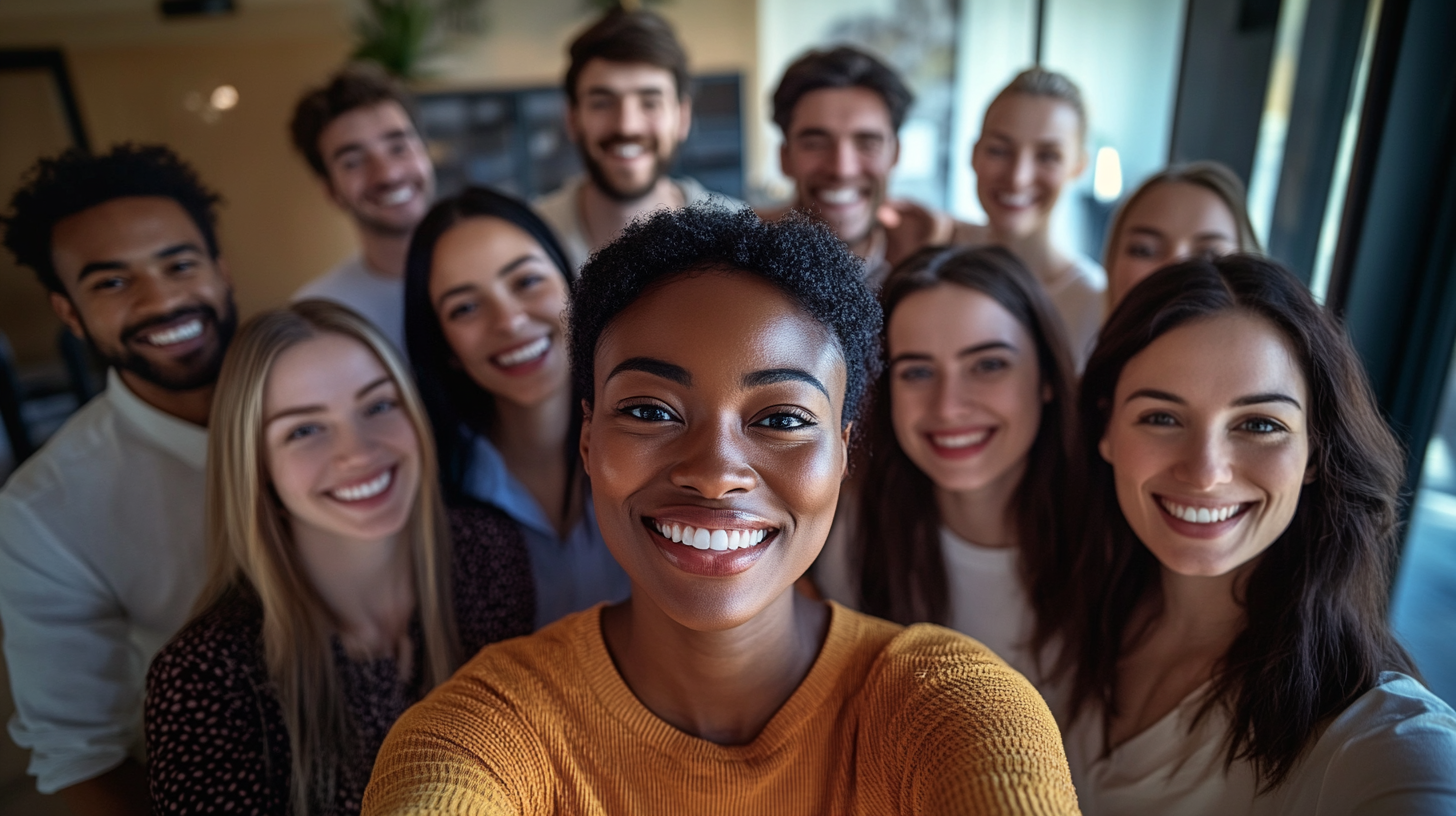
{"points": [[216, 742]]}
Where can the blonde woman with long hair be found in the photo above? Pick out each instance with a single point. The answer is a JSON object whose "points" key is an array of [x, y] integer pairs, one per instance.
{"points": [[335, 598]]}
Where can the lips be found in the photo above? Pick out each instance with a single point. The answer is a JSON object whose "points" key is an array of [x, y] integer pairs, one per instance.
{"points": [[1202, 515], [959, 443], [703, 538], [702, 541], [364, 490], [1204, 520], [525, 355], [179, 331], [628, 149], [177, 334], [1015, 201], [397, 196], [840, 196]]}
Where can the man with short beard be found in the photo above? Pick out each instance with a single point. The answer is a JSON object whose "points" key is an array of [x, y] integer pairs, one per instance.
{"points": [[358, 136], [102, 546], [628, 111]]}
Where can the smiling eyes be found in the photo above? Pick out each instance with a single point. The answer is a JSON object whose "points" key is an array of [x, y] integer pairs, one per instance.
{"points": [[1258, 425], [981, 366], [375, 408], [782, 419]]}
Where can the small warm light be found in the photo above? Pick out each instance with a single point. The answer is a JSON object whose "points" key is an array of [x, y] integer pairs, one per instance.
{"points": [[225, 97], [1107, 176]]}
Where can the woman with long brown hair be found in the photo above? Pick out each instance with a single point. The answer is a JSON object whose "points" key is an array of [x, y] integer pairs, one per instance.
{"points": [[1228, 642], [335, 598], [960, 514]]}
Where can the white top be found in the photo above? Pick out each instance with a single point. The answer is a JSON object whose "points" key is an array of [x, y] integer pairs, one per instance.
{"points": [[1079, 295], [378, 299], [1392, 752], [561, 211], [987, 599], [101, 558]]}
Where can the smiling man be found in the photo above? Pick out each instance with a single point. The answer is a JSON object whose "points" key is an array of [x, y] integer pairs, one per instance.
{"points": [[358, 137], [101, 532], [840, 112], [628, 111]]}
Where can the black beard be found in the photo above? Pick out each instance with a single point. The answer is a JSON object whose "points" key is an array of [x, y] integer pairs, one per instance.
{"points": [[203, 372], [599, 176]]}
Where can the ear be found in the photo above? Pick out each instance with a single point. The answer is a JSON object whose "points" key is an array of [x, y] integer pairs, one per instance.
{"points": [[1046, 393], [844, 436], [685, 119], [223, 270], [895, 150], [1311, 472], [1104, 449], [786, 165], [573, 127], [584, 444], [329, 193], [66, 311], [1082, 160]]}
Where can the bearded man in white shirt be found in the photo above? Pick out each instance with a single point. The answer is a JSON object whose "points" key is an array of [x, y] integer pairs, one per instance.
{"points": [[101, 532]]}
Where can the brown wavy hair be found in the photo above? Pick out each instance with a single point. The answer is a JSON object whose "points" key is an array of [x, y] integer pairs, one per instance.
{"points": [[1316, 636], [896, 542]]}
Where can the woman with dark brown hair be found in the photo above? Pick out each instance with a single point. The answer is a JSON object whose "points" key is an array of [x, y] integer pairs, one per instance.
{"points": [[969, 440], [1228, 640]]}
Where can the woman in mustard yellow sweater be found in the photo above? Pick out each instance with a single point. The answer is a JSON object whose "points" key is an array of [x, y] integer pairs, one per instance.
{"points": [[725, 361]]}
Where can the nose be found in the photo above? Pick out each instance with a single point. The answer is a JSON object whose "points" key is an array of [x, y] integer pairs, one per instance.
{"points": [[631, 119], [506, 315], [947, 398], [1023, 170], [1206, 461], [352, 445], [712, 462], [846, 159]]}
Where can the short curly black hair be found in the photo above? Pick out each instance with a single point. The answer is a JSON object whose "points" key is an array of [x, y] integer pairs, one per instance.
{"points": [[799, 256], [58, 188]]}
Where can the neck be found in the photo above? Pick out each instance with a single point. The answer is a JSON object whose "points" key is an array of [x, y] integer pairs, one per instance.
{"points": [[1204, 611], [384, 253], [982, 516], [367, 585], [604, 217], [189, 406], [1035, 249], [721, 686], [532, 440]]}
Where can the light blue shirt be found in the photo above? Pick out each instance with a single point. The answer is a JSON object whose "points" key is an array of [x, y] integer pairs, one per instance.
{"points": [[571, 573]]}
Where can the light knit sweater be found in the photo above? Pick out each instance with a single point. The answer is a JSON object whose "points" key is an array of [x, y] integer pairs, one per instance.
{"points": [[889, 720]]}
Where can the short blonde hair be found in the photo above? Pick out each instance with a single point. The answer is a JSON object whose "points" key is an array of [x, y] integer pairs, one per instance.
{"points": [[1047, 84], [250, 543]]}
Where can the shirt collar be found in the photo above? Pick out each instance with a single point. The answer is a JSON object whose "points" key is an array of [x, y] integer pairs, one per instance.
{"points": [[178, 437]]}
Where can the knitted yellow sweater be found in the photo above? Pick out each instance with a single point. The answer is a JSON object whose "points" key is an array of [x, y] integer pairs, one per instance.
{"points": [[889, 720]]}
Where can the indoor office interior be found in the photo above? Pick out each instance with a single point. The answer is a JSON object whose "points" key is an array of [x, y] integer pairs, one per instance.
{"points": [[1338, 115]]}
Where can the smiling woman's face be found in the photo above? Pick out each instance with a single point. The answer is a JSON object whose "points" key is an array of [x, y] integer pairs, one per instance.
{"points": [[714, 447]]}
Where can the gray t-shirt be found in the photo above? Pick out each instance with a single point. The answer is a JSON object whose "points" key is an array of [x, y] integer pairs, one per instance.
{"points": [[378, 299]]}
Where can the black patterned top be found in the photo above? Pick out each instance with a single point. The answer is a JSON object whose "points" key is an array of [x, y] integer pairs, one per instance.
{"points": [[216, 741]]}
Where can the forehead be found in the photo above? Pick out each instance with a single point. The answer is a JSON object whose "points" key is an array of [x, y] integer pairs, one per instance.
{"points": [[625, 77], [1177, 206], [132, 228], [1214, 360], [950, 317], [841, 111], [478, 246], [1026, 118], [325, 369], [363, 125], [722, 323]]}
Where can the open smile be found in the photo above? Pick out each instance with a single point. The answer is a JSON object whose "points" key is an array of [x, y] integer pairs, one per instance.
{"points": [[1203, 520], [708, 548], [523, 358], [368, 490], [960, 443]]}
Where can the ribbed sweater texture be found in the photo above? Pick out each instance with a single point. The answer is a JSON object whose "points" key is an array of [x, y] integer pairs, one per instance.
{"points": [[889, 720]]}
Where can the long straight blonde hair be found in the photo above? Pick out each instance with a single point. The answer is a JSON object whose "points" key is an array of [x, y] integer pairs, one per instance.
{"points": [[251, 547]]}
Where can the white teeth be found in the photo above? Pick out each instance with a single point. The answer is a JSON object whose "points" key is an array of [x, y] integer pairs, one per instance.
{"points": [[176, 334], [1200, 515], [368, 490], [628, 150], [840, 196], [524, 354], [396, 197], [964, 440], [704, 539], [1009, 200]]}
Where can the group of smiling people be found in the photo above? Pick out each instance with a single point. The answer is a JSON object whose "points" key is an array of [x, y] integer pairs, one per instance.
{"points": [[767, 513], [1176, 572]]}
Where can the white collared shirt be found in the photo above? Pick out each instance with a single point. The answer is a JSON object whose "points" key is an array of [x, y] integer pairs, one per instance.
{"points": [[101, 557]]}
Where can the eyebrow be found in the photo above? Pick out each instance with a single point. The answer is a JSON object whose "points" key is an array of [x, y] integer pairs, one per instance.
{"points": [[769, 376], [314, 409], [979, 348], [397, 133], [466, 287], [109, 266], [1250, 399], [655, 367]]}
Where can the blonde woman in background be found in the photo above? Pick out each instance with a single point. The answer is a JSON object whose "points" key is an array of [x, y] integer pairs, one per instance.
{"points": [[1032, 146], [1187, 210], [335, 598]]}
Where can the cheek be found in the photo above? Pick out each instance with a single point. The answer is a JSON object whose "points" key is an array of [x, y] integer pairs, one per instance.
{"points": [[806, 478], [907, 409], [291, 472]]}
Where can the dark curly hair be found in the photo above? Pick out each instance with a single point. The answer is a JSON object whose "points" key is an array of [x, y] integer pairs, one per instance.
{"points": [[58, 188], [842, 67], [800, 257]]}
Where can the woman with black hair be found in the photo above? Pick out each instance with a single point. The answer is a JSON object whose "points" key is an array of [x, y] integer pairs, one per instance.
{"points": [[723, 360], [970, 437], [1228, 642], [485, 295]]}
